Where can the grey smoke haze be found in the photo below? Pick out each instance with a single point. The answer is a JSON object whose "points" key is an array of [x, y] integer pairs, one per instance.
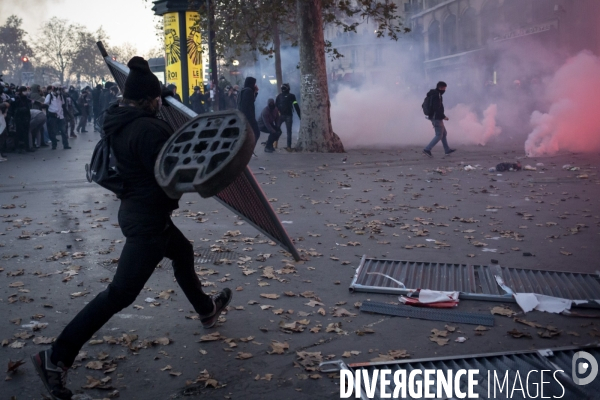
{"points": [[37, 11]]}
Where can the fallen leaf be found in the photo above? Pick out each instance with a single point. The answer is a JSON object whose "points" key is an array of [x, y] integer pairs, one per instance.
{"points": [[314, 303], [342, 312], [438, 333], [547, 334], [507, 312], [43, 340], [278, 347], [269, 296], [163, 341], [14, 365], [94, 365], [243, 356], [518, 334], [439, 341]]}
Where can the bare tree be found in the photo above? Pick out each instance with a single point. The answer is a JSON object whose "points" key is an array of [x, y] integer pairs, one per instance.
{"points": [[13, 46], [87, 61], [57, 45], [123, 53]]}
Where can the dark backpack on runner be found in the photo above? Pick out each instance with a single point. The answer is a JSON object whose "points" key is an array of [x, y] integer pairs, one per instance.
{"points": [[427, 103], [102, 169]]}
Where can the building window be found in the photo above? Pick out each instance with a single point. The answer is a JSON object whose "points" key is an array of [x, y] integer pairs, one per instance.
{"points": [[516, 13], [468, 27], [449, 35], [433, 39], [490, 21]]}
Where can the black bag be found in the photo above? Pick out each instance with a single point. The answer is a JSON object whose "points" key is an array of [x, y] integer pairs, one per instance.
{"points": [[427, 103], [102, 169]]}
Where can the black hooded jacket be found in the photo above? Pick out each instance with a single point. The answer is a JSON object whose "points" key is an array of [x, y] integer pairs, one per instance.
{"points": [[246, 103], [136, 139], [437, 105]]}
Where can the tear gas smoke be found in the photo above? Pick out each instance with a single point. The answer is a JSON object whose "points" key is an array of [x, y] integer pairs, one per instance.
{"points": [[375, 116], [571, 122], [35, 10]]}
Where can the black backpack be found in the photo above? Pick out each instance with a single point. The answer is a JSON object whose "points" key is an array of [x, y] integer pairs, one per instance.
{"points": [[427, 103], [102, 169]]}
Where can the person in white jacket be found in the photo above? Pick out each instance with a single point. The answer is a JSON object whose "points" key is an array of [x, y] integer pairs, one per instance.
{"points": [[55, 115]]}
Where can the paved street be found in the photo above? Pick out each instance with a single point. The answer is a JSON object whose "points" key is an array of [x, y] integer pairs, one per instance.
{"points": [[59, 243]]}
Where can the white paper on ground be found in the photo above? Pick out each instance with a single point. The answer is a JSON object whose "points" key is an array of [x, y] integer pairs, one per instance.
{"points": [[527, 301], [540, 302], [552, 304], [435, 296]]}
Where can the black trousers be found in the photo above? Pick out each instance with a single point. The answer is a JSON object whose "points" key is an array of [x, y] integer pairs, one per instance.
{"points": [[82, 121], [288, 119], [149, 238], [57, 125], [22, 128], [273, 137]]}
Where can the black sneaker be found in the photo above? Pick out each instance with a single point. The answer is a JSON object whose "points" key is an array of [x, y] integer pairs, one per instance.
{"points": [[269, 150], [450, 151], [427, 153], [220, 300], [53, 376]]}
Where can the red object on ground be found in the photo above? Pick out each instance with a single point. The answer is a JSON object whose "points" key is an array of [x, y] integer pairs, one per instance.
{"points": [[416, 303]]}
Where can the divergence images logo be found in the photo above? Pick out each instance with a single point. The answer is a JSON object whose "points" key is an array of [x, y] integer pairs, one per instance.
{"points": [[581, 368]]}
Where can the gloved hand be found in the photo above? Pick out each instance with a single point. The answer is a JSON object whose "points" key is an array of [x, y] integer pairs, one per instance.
{"points": [[164, 94]]}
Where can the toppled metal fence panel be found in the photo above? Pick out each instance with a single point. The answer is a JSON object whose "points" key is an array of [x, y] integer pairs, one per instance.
{"points": [[478, 282], [492, 368], [454, 316]]}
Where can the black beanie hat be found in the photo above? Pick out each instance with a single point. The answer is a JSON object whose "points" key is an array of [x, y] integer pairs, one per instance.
{"points": [[141, 82]]}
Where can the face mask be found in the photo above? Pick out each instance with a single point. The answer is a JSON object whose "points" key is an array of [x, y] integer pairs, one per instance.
{"points": [[442, 91], [271, 106]]}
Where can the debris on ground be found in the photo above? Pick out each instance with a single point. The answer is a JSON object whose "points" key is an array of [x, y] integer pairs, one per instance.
{"points": [[508, 167]]}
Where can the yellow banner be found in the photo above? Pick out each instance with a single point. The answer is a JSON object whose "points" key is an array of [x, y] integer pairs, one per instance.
{"points": [[194, 51], [172, 49]]}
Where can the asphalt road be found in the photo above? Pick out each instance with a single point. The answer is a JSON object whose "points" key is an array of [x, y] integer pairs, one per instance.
{"points": [[59, 243]]}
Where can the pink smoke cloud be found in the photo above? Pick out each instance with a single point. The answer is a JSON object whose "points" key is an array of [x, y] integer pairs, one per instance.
{"points": [[571, 123]]}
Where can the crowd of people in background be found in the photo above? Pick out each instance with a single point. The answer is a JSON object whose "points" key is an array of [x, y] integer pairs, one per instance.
{"points": [[32, 117]]}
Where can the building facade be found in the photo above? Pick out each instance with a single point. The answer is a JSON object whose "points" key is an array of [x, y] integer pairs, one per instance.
{"points": [[465, 41], [367, 58]]}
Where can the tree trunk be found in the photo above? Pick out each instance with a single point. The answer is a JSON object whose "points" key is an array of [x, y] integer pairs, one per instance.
{"points": [[316, 133], [258, 68], [277, 47]]}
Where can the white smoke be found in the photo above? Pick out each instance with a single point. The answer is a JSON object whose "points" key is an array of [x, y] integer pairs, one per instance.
{"points": [[378, 116], [571, 122]]}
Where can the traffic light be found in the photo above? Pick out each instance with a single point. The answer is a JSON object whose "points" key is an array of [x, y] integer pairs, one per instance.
{"points": [[26, 63]]}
